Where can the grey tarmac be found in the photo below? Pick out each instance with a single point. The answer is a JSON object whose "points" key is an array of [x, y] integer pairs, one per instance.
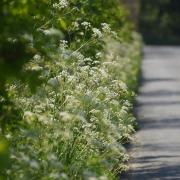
{"points": [[155, 153]]}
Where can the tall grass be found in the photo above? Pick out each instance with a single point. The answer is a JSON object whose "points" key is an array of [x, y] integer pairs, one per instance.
{"points": [[73, 125]]}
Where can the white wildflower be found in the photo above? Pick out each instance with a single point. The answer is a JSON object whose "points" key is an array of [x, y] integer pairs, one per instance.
{"points": [[29, 116], [52, 32], [123, 86], [75, 25], [92, 178], [63, 44], [65, 116], [95, 111], [97, 33], [78, 55], [103, 178], [37, 57], [114, 34], [88, 59], [61, 5], [81, 33], [86, 24], [8, 136], [36, 68], [54, 175], [98, 55], [105, 27]]}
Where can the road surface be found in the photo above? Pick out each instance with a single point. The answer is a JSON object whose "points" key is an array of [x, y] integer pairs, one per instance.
{"points": [[155, 153]]}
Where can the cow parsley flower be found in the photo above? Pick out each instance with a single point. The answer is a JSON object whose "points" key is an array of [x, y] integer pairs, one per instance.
{"points": [[37, 57], [105, 27], [63, 44], [61, 5], [75, 25], [86, 24], [98, 55], [97, 33]]}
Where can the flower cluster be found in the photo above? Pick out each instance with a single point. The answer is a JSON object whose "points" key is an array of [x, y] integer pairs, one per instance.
{"points": [[75, 124], [61, 4]]}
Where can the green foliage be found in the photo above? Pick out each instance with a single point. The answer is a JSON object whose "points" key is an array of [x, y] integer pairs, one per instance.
{"points": [[4, 153], [159, 21], [68, 71]]}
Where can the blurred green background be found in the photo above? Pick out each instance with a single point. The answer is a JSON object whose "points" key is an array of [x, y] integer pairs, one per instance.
{"points": [[159, 21]]}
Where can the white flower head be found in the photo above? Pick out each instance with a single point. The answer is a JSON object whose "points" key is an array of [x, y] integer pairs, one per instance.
{"points": [[78, 55], [37, 57], [97, 33], [75, 25], [86, 24], [63, 44], [106, 28], [99, 55], [61, 5]]}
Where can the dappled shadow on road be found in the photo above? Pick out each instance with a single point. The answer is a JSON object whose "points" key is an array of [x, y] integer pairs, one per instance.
{"points": [[159, 53], [161, 172], [154, 123], [150, 159], [159, 93], [149, 172], [159, 97], [159, 103], [148, 80], [162, 147], [155, 150]]}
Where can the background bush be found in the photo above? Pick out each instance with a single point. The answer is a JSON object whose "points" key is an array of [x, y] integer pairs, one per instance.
{"points": [[68, 71], [159, 21]]}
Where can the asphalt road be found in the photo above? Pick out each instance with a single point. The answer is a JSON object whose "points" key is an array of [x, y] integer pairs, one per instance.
{"points": [[155, 153]]}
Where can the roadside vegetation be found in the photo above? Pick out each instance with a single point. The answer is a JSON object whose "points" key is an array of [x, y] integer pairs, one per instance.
{"points": [[68, 72], [165, 16]]}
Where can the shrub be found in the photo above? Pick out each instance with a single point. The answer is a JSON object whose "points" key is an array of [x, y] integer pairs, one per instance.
{"points": [[81, 68], [160, 19]]}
